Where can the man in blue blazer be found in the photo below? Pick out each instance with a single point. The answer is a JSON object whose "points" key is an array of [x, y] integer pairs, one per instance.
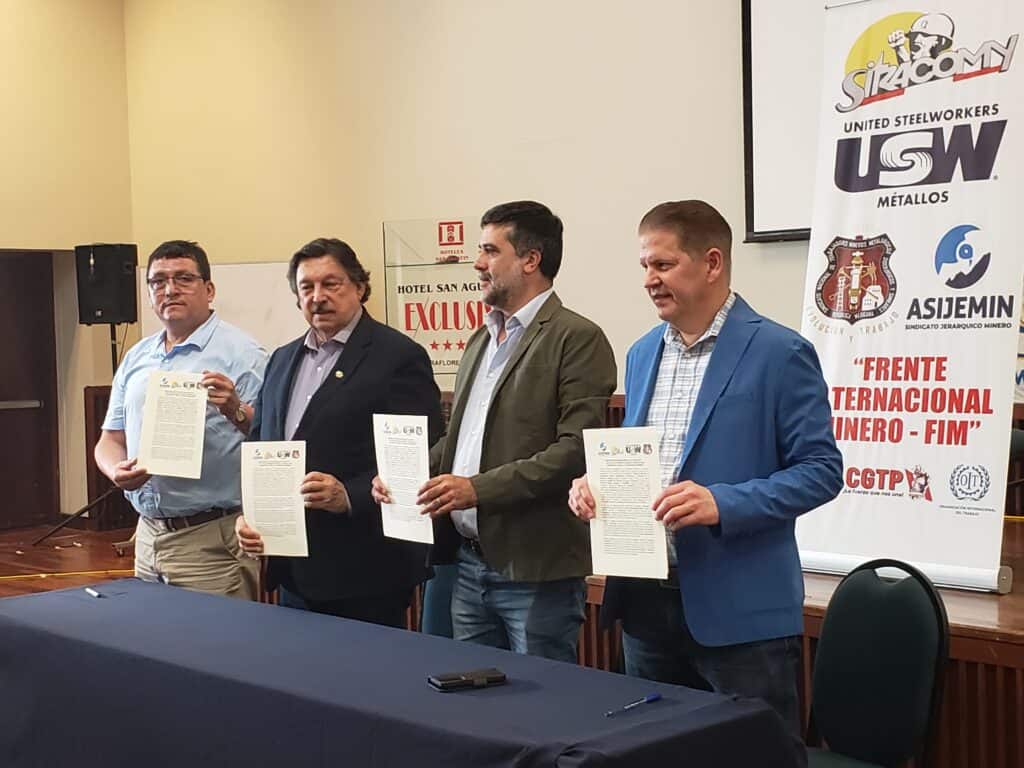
{"points": [[324, 388], [746, 447]]}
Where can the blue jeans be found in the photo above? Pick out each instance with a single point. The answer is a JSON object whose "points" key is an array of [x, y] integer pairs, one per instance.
{"points": [[540, 618], [658, 645], [437, 601]]}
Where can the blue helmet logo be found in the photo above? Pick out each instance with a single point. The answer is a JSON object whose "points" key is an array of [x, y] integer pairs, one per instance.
{"points": [[960, 259]]}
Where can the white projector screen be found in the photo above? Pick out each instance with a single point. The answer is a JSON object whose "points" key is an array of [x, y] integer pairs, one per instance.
{"points": [[782, 56]]}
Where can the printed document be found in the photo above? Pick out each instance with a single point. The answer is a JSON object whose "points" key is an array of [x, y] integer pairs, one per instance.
{"points": [[272, 474], [625, 478], [173, 425], [403, 463]]}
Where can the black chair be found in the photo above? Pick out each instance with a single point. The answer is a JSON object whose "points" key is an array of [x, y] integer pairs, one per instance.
{"points": [[878, 670]]}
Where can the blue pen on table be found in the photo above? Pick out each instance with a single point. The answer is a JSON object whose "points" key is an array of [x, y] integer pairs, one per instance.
{"points": [[650, 698]]}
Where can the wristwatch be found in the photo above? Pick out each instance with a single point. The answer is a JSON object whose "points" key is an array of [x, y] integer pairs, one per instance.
{"points": [[240, 415]]}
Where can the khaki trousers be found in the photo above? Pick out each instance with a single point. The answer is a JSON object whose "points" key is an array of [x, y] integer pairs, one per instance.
{"points": [[206, 558]]}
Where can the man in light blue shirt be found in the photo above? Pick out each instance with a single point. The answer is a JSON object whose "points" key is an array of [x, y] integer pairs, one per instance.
{"points": [[186, 530]]}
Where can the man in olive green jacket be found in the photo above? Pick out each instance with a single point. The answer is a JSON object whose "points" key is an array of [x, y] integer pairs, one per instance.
{"points": [[532, 378]]}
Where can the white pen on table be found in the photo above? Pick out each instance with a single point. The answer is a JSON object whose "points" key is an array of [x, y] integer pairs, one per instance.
{"points": [[92, 592]]}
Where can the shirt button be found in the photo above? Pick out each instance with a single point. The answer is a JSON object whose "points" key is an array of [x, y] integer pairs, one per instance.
{"points": [[319, 368], [309, 397]]}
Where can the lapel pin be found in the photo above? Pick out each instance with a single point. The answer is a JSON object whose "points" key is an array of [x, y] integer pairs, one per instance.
{"points": [[339, 374]]}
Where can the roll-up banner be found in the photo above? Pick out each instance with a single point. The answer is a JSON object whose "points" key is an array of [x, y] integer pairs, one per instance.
{"points": [[913, 282], [433, 293]]}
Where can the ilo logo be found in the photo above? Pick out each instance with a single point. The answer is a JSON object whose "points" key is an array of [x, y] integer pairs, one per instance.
{"points": [[969, 481], [961, 258]]}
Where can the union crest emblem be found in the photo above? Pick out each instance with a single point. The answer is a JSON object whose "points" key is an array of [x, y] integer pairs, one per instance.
{"points": [[919, 481], [858, 283]]}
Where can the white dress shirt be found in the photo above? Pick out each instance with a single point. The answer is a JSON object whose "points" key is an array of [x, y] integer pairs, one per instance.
{"points": [[474, 417]]}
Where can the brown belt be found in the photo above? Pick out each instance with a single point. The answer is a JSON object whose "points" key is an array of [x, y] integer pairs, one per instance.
{"points": [[191, 521]]}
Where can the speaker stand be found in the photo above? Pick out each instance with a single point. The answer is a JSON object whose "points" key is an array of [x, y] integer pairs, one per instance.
{"points": [[75, 516], [113, 349]]}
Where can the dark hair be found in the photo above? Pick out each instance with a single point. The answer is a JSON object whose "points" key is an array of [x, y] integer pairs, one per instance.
{"points": [[181, 249], [534, 227], [341, 252], [697, 226]]}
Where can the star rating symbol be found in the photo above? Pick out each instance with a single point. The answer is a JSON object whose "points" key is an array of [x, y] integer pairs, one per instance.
{"points": [[461, 345], [434, 345], [447, 345]]}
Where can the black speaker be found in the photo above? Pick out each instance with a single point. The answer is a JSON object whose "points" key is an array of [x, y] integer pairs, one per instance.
{"points": [[106, 283]]}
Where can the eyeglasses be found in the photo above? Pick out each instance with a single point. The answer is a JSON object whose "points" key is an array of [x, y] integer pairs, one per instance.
{"points": [[185, 281]]}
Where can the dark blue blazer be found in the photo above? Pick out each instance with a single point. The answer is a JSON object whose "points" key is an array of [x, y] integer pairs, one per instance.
{"points": [[381, 371], [761, 440]]}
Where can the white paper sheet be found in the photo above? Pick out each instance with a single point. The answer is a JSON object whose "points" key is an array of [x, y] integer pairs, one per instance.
{"points": [[173, 425], [625, 478], [403, 463], [272, 474]]}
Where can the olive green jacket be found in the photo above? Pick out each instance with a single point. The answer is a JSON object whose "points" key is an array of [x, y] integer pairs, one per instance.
{"points": [[556, 384]]}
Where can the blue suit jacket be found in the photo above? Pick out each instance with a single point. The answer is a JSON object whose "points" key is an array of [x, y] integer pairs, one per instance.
{"points": [[761, 440]]}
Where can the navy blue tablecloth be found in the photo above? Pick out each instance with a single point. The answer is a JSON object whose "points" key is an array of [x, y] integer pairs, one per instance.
{"points": [[150, 676]]}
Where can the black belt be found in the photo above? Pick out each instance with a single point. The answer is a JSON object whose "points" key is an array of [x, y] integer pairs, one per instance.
{"points": [[191, 521], [473, 545]]}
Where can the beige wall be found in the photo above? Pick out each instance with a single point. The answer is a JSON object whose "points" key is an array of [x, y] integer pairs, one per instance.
{"points": [[64, 165], [83, 359], [599, 110], [329, 117], [237, 125], [63, 136]]}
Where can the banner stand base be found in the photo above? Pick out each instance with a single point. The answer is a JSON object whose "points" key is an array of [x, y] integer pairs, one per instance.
{"points": [[1005, 580], [996, 581]]}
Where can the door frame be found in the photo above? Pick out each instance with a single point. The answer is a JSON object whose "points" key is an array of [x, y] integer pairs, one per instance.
{"points": [[51, 390]]}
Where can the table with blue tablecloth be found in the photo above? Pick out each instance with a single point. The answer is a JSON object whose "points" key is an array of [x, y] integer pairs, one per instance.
{"points": [[150, 675]]}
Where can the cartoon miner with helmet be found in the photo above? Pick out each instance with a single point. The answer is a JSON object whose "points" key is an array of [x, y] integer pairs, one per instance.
{"points": [[928, 36]]}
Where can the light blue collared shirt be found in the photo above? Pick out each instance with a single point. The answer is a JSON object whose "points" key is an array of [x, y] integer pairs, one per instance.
{"points": [[318, 360], [213, 346], [471, 431]]}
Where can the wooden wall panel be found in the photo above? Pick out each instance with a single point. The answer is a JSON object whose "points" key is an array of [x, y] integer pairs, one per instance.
{"points": [[599, 648], [981, 723]]}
